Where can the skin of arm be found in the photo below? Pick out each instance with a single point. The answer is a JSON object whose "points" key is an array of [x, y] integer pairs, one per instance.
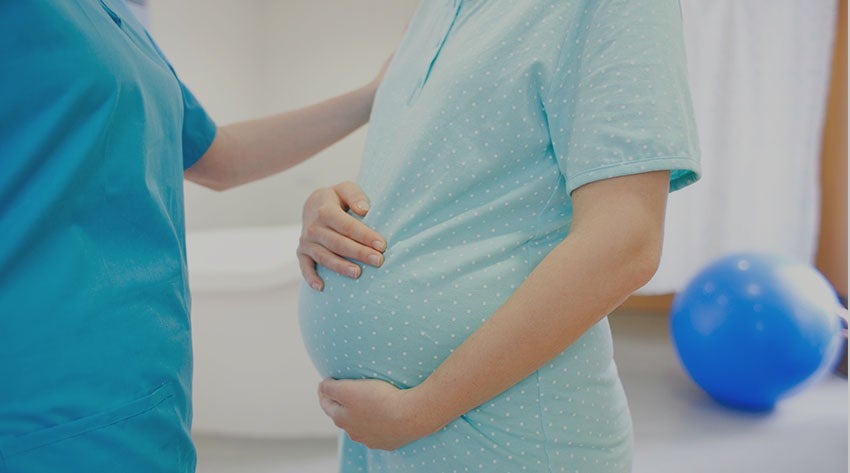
{"points": [[613, 248], [247, 151]]}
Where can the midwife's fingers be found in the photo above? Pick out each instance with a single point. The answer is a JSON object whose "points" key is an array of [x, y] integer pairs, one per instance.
{"points": [[351, 195], [308, 272], [322, 256]]}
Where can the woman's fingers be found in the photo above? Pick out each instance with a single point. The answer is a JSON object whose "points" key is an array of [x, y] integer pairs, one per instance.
{"points": [[327, 399], [308, 271], [349, 227], [332, 409], [332, 389], [330, 236], [345, 247], [324, 257], [352, 197]]}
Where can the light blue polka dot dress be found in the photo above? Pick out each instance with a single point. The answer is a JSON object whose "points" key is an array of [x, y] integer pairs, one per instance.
{"points": [[491, 113]]}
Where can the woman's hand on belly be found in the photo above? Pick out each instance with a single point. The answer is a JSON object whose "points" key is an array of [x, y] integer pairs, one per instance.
{"points": [[329, 234], [376, 413]]}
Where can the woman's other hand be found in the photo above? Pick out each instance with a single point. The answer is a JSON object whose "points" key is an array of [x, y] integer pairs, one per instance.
{"points": [[329, 234], [376, 413]]}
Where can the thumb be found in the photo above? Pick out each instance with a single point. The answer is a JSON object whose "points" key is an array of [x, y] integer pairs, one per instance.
{"points": [[351, 195], [332, 389]]}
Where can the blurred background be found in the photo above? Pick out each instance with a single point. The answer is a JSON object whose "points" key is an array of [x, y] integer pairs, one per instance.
{"points": [[252, 58], [769, 85]]}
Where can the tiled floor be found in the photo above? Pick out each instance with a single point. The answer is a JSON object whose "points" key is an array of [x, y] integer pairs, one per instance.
{"points": [[230, 455], [677, 428]]}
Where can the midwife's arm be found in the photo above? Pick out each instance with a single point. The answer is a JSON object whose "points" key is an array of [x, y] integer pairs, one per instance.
{"points": [[246, 151]]}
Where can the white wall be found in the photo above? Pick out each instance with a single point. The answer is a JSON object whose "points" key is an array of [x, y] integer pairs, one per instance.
{"points": [[248, 58]]}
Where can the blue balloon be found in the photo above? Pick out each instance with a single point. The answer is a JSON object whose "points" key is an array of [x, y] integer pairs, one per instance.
{"points": [[753, 328]]}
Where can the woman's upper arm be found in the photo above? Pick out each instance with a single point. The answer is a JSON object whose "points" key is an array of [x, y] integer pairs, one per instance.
{"points": [[648, 189], [625, 211]]}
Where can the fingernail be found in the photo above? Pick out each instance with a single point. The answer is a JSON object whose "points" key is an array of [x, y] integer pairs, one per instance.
{"points": [[316, 286], [375, 260], [379, 245], [353, 272], [362, 205]]}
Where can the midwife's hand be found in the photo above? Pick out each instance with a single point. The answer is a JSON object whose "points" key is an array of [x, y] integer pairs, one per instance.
{"points": [[373, 85], [376, 413], [329, 234]]}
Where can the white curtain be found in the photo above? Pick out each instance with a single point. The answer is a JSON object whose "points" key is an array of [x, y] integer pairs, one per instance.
{"points": [[759, 73]]}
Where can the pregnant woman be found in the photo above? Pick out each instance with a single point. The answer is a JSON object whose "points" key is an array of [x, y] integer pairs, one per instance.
{"points": [[518, 164]]}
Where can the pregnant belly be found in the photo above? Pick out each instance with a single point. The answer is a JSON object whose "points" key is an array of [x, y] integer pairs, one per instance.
{"points": [[399, 322]]}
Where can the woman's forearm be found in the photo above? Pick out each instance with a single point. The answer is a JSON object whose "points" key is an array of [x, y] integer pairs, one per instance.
{"points": [[609, 253], [251, 150], [613, 248]]}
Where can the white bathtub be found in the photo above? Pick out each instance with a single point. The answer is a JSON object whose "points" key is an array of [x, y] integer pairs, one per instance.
{"points": [[252, 375]]}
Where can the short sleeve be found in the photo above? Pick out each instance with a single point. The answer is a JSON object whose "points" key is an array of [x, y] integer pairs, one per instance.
{"points": [[198, 128], [619, 102]]}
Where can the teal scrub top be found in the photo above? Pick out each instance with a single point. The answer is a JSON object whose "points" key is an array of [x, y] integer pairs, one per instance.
{"points": [[95, 346], [490, 115]]}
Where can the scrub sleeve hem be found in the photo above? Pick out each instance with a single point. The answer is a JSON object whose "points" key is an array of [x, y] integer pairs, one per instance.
{"points": [[199, 130]]}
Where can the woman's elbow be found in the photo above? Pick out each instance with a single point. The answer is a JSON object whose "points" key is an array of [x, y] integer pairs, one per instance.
{"points": [[648, 266], [644, 258]]}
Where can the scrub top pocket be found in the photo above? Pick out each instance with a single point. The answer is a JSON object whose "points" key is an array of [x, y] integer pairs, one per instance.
{"points": [[97, 442]]}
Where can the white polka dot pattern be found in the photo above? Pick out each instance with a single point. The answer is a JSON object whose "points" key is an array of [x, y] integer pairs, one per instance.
{"points": [[491, 113]]}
